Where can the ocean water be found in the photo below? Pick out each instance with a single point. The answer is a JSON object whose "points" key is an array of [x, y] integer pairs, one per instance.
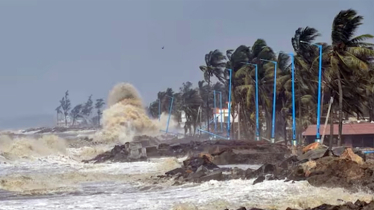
{"points": [[31, 178]]}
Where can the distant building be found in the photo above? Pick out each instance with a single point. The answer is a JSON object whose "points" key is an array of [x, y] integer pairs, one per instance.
{"points": [[354, 135], [225, 115]]}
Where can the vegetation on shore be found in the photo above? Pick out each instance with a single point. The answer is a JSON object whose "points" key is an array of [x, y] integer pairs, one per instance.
{"points": [[83, 112], [347, 77]]}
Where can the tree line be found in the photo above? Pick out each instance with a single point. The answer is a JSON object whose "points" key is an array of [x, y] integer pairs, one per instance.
{"points": [[347, 78], [82, 111]]}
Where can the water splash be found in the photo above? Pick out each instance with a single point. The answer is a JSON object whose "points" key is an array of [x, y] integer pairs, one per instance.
{"points": [[126, 117], [31, 147]]}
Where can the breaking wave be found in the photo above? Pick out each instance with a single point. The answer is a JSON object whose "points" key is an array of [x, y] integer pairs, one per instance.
{"points": [[31, 147], [126, 117]]}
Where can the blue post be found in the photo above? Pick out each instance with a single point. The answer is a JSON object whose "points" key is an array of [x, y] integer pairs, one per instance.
{"points": [[215, 106], [274, 103], [318, 138], [229, 106], [272, 139], [171, 107], [257, 109], [159, 109], [294, 142], [220, 108]]}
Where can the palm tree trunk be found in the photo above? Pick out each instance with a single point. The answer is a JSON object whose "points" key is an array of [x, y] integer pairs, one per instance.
{"points": [[66, 121], [340, 110], [285, 130], [284, 116], [331, 128]]}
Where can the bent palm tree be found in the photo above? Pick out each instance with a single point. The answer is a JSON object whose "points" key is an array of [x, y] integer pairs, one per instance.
{"points": [[214, 66], [348, 63]]}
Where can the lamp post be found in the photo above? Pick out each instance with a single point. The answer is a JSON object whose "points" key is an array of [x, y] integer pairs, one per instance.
{"points": [[318, 137], [220, 107], [215, 108], [272, 139], [229, 106], [294, 142], [170, 108]]}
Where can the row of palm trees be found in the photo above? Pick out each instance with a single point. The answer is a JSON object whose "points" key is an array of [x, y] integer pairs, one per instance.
{"points": [[347, 78]]}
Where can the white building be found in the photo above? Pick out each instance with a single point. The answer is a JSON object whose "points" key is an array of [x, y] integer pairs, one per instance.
{"points": [[225, 113]]}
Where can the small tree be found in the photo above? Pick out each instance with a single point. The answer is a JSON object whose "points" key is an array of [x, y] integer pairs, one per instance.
{"points": [[99, 104], [76, 113], [87, 108], [58, 110], [66, 106]]}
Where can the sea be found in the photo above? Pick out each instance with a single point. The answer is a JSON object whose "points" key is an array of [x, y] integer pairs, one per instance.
{"points": [[45, 172]]}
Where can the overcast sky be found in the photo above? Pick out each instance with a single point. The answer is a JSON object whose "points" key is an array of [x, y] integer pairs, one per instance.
{"points": [[87, 46]]}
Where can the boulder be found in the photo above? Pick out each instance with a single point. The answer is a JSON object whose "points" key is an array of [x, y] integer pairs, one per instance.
{"points": [[215, 175], [195, 162], [314, 154], [308, 166], [358, 205], [312, 146], [350, 155], [337, 151], [128, 152], [262, 171], [259, 179]]}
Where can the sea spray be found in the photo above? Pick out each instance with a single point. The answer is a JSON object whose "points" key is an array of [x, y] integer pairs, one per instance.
{"points": [[31, 147], [126, 117]]}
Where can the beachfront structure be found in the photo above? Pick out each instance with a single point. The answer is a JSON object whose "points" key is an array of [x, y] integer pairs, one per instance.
{"points": [[225, 115], [353, 134]]}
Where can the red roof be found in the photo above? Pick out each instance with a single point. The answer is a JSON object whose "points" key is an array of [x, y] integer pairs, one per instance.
{"points": [[348, 129]]}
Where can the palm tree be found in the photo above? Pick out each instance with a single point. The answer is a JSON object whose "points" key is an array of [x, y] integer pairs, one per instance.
{"points": [[189, 104], [214, 66], [347, 62], [306, 75], [58, 111], [244, 82]]}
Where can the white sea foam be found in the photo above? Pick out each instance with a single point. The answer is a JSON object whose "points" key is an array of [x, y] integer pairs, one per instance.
{"points": [[210, 195]]}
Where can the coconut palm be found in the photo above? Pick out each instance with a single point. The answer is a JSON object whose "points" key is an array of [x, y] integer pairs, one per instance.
{"points": [[244, 85], [190, 101], [214, 66], [347, 63]]}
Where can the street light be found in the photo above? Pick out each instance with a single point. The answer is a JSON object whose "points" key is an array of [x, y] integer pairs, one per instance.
{"points": [[214, 104], [170, 108], [318, 138], [294, 142], [272, 139], [229, 106]]}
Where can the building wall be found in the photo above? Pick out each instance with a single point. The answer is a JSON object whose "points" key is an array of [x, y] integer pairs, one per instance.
{"points": [[348, 140]]}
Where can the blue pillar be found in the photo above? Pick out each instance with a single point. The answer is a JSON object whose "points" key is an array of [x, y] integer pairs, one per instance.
{"points": [[318, 137], [220, 108], [229, 106], [294, 141], [272, 139], [215, 108], [274, 103], [171, 107], [257, 109]]}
